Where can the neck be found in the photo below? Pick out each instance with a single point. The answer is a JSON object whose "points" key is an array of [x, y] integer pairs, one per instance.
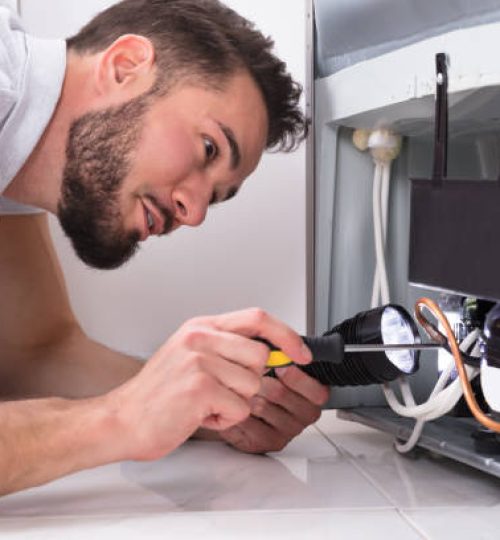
{"points": [[38, 183]]}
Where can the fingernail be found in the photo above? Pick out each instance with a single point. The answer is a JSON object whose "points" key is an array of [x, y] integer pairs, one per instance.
{"points": [[281, 371], [306, 353]]}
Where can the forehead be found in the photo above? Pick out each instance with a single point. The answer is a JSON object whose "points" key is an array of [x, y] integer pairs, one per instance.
{"points": [[237, 107]]}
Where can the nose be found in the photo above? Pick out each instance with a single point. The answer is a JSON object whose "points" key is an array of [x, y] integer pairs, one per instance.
{"points": [[190, 207]]}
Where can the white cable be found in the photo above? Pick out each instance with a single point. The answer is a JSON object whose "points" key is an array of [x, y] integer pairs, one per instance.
{"points": [[384, 197], [436, 408], [420, 423], [437, 401], [431, 409], [379, 235], [385, 147], [381, 199], [377, 211], [406, 392], [476, 351]]}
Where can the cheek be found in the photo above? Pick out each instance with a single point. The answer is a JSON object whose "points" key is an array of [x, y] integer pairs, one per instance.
{"points": [[163, 158]]}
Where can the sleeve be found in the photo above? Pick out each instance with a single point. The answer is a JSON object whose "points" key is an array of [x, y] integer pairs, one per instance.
{"points": [[8, 70], [11, 73]]}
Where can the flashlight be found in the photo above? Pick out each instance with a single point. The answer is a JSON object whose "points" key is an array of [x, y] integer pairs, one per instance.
{"points": [[374, 346]]}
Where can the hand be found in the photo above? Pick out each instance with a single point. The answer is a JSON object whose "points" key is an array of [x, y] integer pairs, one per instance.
{"points": [[280, 411], [205, 376]]}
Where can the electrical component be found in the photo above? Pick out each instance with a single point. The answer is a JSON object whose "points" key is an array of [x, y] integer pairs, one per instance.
{"points": [[490, 353], [446, 393], [459, 363]]}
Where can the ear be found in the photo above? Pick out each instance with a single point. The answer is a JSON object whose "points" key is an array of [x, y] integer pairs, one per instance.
{"points": [[127, 65]]}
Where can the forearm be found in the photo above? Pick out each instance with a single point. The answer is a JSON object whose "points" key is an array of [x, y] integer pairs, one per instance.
{"points": [[44, 439], [71, 367]]}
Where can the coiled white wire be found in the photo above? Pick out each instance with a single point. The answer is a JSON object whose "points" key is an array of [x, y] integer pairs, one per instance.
{"points": [[441, 399], [440, 402]]}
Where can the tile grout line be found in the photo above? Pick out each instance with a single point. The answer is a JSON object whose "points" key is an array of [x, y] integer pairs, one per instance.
{"points": [[412, 523], [360, 470], [183, 515], [376, 485]]}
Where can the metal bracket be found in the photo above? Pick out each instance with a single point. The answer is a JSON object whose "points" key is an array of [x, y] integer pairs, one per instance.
{"points": [[441, 125]]}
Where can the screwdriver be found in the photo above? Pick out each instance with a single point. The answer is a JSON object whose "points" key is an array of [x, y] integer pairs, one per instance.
{"points": [[332, 348]]}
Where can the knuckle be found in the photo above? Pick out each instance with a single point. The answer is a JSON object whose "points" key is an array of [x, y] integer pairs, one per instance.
{"points": [[322, 395], [279, 444], [259, 406], [277, 392], [254, 386], [249, 388], [242, 413], [314, 415], [326, 395], [196, 360], [259, 358], [199, 381], [193, 337], [258, 315]]}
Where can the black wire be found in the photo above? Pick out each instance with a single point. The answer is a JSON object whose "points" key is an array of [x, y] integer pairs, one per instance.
{"points": [[472, 361]]}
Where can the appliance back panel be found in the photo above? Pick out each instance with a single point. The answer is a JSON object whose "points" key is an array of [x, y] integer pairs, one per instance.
{"points": [[454, 236]]}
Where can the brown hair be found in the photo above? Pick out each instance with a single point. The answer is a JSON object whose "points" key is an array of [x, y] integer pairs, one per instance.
{"points": [[204, 40]]}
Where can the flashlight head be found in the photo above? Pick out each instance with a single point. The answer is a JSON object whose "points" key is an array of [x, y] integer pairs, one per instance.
{"points": [[390, 324], [396, 326]]}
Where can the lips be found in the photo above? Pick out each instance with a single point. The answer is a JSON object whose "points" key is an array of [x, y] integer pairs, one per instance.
{"points": [[154, 222]]}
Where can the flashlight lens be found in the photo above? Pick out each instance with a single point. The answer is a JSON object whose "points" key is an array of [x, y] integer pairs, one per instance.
{"points": [[395, 328]]}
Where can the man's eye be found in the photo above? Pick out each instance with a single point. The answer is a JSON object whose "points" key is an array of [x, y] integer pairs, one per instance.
{"points": [[211, 150]]}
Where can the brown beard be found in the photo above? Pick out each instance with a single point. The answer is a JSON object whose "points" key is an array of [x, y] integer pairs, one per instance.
{"points": [[98, 158]]}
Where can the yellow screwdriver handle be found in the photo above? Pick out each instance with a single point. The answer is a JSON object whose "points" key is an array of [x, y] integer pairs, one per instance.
{"points": [[278, 359]]}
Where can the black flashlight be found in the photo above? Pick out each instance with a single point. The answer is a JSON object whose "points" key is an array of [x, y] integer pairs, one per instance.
{"points": [[374, 346]]}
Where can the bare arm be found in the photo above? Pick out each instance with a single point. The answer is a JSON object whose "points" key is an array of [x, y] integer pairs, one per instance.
{"points": [[204, 376], [43, 351], [43, 439]]}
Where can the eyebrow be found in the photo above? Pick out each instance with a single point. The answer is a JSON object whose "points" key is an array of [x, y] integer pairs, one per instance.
{"points": [[233, 145]]}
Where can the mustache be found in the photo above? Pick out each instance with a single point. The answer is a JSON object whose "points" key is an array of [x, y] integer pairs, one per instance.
{"points": [[166, 213]]}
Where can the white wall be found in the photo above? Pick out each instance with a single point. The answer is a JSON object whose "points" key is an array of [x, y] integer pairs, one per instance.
{"points": [[12, 4], [250, 251]]}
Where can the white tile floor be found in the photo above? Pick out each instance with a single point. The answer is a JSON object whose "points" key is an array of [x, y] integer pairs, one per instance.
{"points": [[337, 480]]}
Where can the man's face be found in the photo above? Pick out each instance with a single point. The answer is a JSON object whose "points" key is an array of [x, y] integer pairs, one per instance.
{"points": [[151, 165]]}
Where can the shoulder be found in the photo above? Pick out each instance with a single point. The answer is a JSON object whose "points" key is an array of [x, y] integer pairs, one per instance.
{"points": [[12, 39], [13, 55]]}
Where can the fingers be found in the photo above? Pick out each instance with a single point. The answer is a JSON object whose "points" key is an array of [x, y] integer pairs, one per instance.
{"points": [[226, 410], [257, 323], [278, 413], [277, 417], [231, 375], [303, 384], [255, 436], [295, 405], [230, 346]]}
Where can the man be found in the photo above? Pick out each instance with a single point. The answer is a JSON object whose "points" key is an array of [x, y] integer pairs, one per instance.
{"points": [[154, 111]]}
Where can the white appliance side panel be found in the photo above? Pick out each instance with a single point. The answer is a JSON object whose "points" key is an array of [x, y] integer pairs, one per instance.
{"points": [[406, 75]]}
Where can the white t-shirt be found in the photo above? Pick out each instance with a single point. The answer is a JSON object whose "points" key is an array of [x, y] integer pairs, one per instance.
{"points": [[31, 77]]}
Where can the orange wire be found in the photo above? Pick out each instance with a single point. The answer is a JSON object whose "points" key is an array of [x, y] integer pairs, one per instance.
{"points": [[457, 357]]}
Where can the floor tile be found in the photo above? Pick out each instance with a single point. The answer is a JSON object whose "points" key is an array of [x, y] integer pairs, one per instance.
{"points": [[457, 523], [296, 525], [410, 483], [208, 476]]}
